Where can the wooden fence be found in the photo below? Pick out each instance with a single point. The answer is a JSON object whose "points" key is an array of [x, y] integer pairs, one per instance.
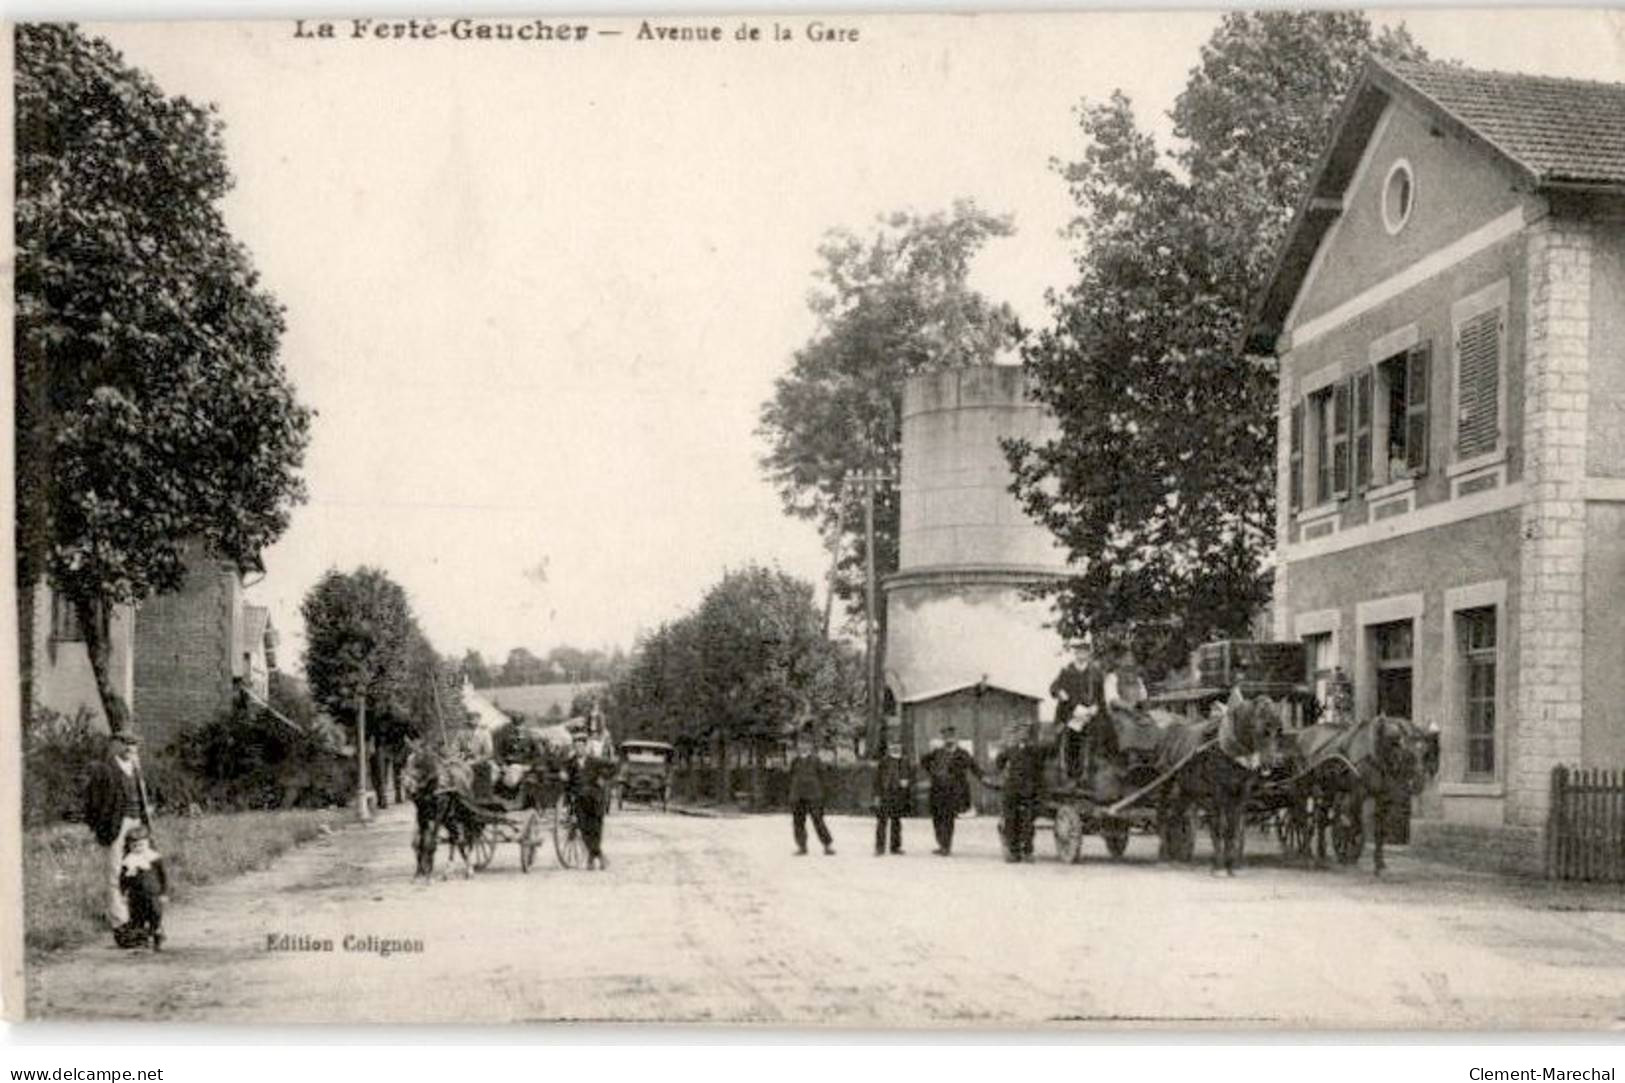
{"points": [[1586, 830]]}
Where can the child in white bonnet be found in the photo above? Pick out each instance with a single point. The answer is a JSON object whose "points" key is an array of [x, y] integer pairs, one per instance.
{"points": [[146, 891]]}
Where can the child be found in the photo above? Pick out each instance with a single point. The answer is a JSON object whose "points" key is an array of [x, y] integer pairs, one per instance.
{"points": [[146, 890]]}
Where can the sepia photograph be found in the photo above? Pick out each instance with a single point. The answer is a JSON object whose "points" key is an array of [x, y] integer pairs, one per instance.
{"points": [[1094, 521]]}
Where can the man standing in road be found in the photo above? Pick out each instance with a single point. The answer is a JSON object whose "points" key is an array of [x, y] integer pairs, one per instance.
{"points": [[894, 787], [584, 782], [1022, 763], [115, 804], [807, 795], [950, 769]]}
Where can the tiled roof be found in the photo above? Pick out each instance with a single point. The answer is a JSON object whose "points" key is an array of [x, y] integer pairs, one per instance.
{"points": [[1563, 131]]}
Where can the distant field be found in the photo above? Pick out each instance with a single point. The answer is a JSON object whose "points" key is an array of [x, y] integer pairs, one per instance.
{"points": [[64, 899], [536, 700]]}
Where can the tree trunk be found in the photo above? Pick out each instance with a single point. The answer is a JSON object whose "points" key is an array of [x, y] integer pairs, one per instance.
{"points": [[756, 774], [99, 650], [723, 793]]}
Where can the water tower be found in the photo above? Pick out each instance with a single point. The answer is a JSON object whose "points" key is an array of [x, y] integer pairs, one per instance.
{"points": [[964, 643]]}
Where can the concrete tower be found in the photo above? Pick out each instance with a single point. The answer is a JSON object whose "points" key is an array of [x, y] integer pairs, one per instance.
{"points": [[963, 644]]}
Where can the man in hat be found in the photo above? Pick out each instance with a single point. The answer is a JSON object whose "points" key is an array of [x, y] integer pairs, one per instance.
{"points": [[950, 768], [1078, 691], [1022, 762], [115, 804], [583, 782], [894, 787], [807, 795]]}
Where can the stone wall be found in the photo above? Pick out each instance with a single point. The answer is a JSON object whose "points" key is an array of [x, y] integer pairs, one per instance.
{"points": [[1552, 589]]}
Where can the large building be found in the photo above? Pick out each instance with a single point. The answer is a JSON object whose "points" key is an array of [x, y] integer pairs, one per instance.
{"points": [[1449, 314], [60, 676], [965, 641], [197, 650]]}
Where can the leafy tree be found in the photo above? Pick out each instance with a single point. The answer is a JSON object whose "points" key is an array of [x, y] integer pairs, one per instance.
{"points": [[748, 666], [1161, 482], [523, 667], [361, 640], [152, 408], [479, 674], [891, 305]]}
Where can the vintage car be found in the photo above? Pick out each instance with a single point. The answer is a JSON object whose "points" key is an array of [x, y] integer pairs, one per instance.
{"points": [[645, 773]]}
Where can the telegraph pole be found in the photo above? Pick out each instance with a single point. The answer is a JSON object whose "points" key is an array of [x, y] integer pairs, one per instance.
{"points": [[361, 805], [870, 480]]}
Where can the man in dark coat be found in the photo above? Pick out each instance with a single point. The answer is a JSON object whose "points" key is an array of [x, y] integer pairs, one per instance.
{"points": [[1022, 763], [115, 803], [894, 787], [1078, 691], [584, 779], [807, 796], [950, 768]]}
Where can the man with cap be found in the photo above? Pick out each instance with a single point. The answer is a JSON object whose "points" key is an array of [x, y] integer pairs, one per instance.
{"points": [[894, 787], [115, 804], [1022, 763], [950, 768], [1078, 692], [807, 795], [583, 782]]}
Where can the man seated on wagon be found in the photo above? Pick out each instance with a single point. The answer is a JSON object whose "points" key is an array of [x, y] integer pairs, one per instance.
{"points": [[1077, 691]]}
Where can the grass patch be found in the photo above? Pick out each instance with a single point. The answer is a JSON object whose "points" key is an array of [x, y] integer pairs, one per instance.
{"points": [[64, 897]]}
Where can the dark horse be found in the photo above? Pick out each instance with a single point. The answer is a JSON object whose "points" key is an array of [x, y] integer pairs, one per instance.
{"points": [[1223, 760], [442, 788], [1385, 760]]}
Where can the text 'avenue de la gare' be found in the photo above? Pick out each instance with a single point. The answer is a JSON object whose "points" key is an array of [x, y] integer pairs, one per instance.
{"points": [[540, 30]]}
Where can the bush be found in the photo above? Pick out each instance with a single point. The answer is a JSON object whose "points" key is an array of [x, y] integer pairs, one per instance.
{"points": [[58, 754], [251, 759]]}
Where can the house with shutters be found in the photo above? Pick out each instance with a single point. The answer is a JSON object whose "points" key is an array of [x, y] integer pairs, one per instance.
{"points": [[1448, 310]]}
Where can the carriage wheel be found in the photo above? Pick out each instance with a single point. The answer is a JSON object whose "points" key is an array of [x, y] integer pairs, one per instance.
{"points": [[568, 845], [1292, 831], [1068, 833], [1116, 835], [530, 839], [483, 846], [1348, 829], [1179, 837]]}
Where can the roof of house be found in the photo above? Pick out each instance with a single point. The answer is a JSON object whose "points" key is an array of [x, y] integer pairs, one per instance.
{"points": [[1554, 134], [536, 700]]}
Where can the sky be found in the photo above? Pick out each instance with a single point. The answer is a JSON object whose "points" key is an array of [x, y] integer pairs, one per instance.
{"points": [[537, 293]]}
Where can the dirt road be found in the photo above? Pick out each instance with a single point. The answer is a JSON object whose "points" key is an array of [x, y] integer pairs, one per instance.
{"points": [[715, 920]]}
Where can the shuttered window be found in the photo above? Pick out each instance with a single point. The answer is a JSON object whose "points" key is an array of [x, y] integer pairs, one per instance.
{"points": [[1478, 384], [1416, 408], [1362, 431], [1297, 457], [1340, 437]]}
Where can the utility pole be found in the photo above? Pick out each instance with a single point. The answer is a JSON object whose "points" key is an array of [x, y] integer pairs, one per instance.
{"points": [[870, 480], [361, 805]]}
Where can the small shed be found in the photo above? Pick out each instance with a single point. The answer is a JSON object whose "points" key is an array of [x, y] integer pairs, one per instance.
{"points": [[980, 713]]}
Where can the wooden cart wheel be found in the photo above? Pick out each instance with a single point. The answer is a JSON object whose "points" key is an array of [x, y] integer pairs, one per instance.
{"points": [[1116, 835], [484, 846], [1293, 830], [1068, 833], [568, 845], [530, 839], [1179, 837], [1348, 828]]}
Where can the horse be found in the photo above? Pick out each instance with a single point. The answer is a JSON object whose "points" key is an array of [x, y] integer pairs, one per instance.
{"points": [[1386, 760], [1222, 762], [440, 788]]}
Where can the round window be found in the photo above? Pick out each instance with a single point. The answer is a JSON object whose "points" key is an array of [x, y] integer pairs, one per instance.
{"points": [[1398, 196]]}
